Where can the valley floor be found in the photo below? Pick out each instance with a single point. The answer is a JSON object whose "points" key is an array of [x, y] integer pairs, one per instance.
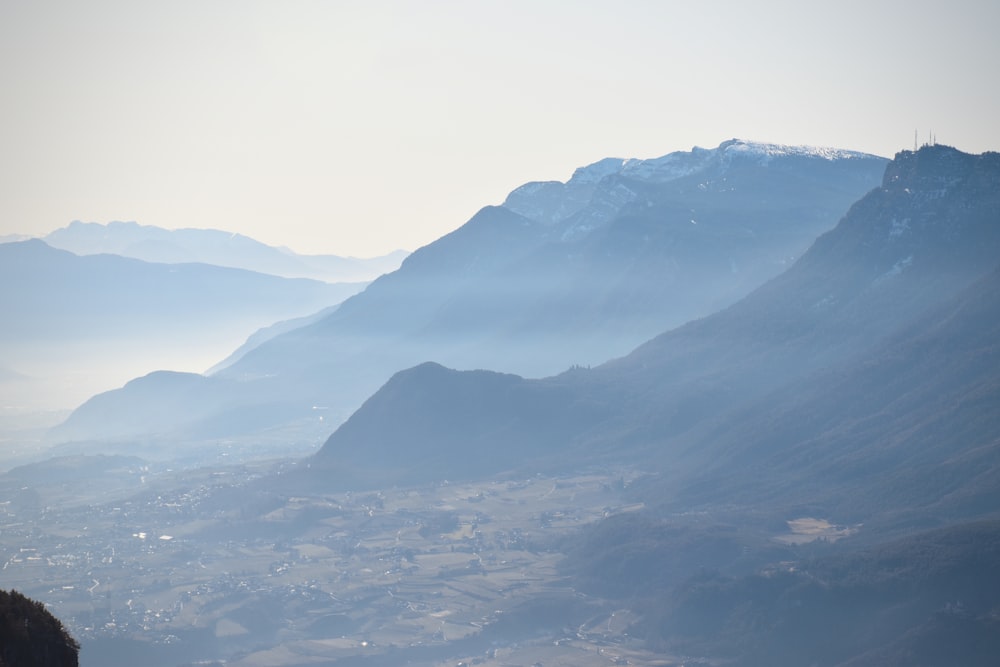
{"points": [[207, 565]]}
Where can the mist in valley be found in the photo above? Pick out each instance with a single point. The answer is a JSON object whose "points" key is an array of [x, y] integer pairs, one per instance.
{"points": [[450, 334], [653, 438]]}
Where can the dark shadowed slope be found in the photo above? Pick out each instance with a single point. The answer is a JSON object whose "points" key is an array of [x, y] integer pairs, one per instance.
{"points": [[927, 600], [461, 423], [911, 427], [32, 637]]}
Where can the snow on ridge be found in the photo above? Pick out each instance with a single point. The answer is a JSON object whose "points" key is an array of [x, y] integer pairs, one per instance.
{"points": [[767, 151], [552, 201], [668, 167], [682, 163], [593, 173], [530, 188]]}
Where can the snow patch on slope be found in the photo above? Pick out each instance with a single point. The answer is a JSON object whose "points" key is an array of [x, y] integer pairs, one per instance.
{"points": [[551, 202], [594, 173], [764, 152]]}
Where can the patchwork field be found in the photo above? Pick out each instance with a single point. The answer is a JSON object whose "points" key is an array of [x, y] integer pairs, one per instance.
{"points": [[206, 566]]}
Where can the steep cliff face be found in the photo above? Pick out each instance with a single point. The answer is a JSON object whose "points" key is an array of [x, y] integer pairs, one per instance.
{"points": [[32, 637]]}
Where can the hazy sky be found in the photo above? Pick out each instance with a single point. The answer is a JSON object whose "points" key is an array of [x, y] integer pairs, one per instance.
{"points": [[360, 127]]}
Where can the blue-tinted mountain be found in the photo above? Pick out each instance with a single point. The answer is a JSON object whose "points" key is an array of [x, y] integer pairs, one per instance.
{"points": [[870, 357], [561, 274], [67, 319], [265, 334], [862, 385], [54, 293], [212, 246], [580, 272], [911, 426]]}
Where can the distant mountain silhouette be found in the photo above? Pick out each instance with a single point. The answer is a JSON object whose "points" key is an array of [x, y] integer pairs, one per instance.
{"points": [[212, 246], [561, 274], [68, 319], [52, 293], [265, 334], [870, 358]]}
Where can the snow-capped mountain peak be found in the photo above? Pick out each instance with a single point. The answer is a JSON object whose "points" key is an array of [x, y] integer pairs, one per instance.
{"points": [[594, 173], [765, 152], [550, 202]]}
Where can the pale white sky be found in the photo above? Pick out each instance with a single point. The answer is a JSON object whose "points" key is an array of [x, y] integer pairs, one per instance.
{"points": [[360, 127]]}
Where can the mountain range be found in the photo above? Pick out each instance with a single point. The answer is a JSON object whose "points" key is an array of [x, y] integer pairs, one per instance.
{"points": [[814, 459], [212, 246], [74, 325], [891, 313], [561, 274], [858, 392]]}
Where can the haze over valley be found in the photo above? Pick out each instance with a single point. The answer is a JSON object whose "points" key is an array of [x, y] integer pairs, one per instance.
{"points": [[733, 405], [79, 324], [561, 274], [499, 334]]}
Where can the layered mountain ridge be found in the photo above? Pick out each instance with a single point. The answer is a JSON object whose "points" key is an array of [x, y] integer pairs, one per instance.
{"points": [[74, 325], [553, 201], [807, 475], [853, 399], [212, 246], [863, 293], [541, 283]]}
